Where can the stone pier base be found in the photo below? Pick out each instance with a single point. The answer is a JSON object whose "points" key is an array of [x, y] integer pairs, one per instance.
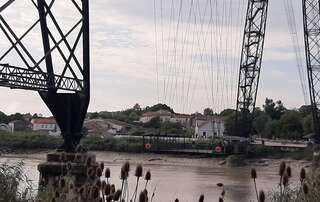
{"points": [[73, 165]]}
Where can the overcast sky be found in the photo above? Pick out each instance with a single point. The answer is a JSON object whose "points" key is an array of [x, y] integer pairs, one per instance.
{"points": [[123, 50]]}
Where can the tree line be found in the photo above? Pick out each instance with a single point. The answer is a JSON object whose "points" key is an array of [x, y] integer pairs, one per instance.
{"points": [[274, 120]]}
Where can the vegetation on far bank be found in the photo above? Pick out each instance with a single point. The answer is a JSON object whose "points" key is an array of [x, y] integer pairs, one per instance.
{"points": [[273, 120], [22, 141]]}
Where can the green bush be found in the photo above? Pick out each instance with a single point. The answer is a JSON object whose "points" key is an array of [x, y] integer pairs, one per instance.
{"points": [[11, 178]]}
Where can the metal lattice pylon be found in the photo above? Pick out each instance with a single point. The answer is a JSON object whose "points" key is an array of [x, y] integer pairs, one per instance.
{"points": [[311, 23], [68, 108], [250, 64]]}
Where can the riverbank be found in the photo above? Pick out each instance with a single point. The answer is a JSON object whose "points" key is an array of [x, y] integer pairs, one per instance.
{"points": [[168, 171], [30, 142]]}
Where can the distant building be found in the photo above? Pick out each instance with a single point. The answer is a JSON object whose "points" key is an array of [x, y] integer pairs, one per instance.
{"points": [[105, 127], [198, 119], [183, 119], [164, 115], [45, 124], [213, 127], [5, 127], [18, 125]]}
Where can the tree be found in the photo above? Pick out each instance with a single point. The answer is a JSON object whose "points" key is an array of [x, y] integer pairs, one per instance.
{"points": [[227, 112], [230, 125], [3, 118], [291, 125], [158, 107], [136, 107], [260, 122], [153, 123], [305, 110], [307, 123], [16, 116], [93, 115], [274, 110], [208, 112], [272, 129], [133, 116]]}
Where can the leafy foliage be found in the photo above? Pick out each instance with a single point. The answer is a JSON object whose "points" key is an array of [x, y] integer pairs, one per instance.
{"points": [[11, 177]]}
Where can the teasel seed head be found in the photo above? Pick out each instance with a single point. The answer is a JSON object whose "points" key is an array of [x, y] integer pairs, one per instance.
{"points": [[253, 174], [107, 189], [107, 173], [126, 167], [201, 199], [220, 184], [113, 189], [98, 184], [101, 166], [123, 174], [148, 175], [282, 168], [62, 183], [99, 172], [139, 171], [305, 188], [109, 198], [95, 192], [145, 191], [142, 197], [303, 174], [262, 197], [116, 195], [88, 161], [56, 194], [289, 171], [223, 192]]}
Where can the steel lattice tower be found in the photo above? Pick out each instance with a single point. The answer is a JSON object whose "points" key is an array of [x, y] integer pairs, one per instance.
{"points": [[250, 64], [311, 24], [66, 93]]}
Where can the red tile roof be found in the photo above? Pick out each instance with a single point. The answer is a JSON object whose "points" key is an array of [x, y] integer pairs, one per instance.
{"points": [[158, 113], [44, 121]]}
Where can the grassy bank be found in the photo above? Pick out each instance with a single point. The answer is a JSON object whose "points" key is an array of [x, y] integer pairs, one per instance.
{"points": [[38, 140], [10, 142]]}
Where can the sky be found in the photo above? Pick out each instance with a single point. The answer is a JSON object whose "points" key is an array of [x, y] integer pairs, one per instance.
{"points": [[135, 59]]}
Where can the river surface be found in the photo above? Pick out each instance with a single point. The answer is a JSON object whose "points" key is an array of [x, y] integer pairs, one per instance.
{"points": [[185, 178]]}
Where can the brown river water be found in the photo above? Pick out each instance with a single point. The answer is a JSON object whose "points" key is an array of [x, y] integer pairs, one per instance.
{"points": [[185, 178]]}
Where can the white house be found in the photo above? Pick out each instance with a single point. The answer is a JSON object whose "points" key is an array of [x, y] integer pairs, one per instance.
{"points": [[164, 115], [211, 128], [44, 124]]}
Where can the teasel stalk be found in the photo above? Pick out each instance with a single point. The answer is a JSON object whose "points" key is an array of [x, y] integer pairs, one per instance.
{"points": [[282, 170], [153, 193], [254, 177], [123, 176], [138, 174]]}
